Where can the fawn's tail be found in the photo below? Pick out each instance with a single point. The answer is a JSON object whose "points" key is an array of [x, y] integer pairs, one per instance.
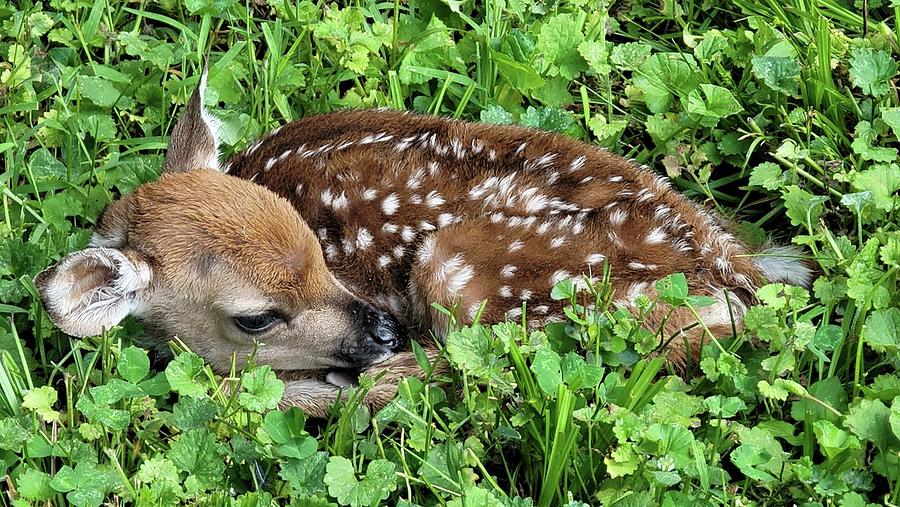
{"points": [[785, 264]]}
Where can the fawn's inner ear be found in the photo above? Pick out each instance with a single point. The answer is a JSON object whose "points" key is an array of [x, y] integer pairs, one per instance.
{"points": [[92, 289], [194, 143]]}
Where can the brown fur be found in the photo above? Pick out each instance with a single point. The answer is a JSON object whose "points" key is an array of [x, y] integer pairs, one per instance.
{"points": [[601, 188]]}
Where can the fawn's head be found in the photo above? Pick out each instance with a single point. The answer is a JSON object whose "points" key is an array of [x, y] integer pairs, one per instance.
{"points": [[218, 261]]}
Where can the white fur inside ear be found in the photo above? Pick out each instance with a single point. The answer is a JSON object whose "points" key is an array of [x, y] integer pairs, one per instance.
{"points": [[92, 289], [213, 124]]}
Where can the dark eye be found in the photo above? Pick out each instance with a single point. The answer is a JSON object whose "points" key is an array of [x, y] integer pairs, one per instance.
{"points": [[255, 324]]}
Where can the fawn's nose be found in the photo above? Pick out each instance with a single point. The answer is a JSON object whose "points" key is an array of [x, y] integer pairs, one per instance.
{"points": [[382, 329]]}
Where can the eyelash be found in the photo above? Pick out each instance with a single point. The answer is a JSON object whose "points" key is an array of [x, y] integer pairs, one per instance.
{"points": [[255, 324]]}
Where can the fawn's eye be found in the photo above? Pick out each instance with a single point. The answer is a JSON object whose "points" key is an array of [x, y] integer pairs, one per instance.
{"points": [[255, 324]]}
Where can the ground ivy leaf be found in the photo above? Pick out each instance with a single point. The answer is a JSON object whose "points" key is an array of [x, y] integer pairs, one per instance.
{"points": [[883, 181], [663, 76], [496, 115], [109, 417], [724, 407], [714, 103], [41, 401], [871, 70], [12, 435], [803, 208], [557, 43], [192, 413], [33, 484], [673, 289], [863, 145], [891, 116], [780, 73], [197, 453], [100, 126], [45, 166], [479, 497], [630, 55], [712, 44], [286, 429], [578, 374], [98, 90], [551, 119], [760, 457], [870, 420], [882, 330], [39, 23], [596, 53], [114, 390], [767, 175], [445, 467], [305, 476], [833, 440], [134, 364], [262, 389], [215, 7], [185, 375], [472, 351], [547, 370], [342, 483], [436, 50]]}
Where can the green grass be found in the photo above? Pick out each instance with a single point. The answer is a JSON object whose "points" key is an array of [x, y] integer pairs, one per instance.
{"points": [[782, 115]]}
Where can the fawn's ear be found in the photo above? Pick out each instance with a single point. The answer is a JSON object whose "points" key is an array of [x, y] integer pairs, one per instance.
{"points": [[194, 143], [93, 289]]}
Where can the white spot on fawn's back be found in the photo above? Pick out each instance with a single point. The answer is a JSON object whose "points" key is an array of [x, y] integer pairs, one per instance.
{"points": [[577, 163], [516, 245], [655, 236], [508, 271], [341, 201], [327, 197], [434, 199], [363, 239], [390, 204], [445, 219], [559, 275], [595, 258], [454, 273], [618, 217]]}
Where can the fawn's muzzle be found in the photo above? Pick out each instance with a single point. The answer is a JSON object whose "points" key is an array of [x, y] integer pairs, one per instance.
{"points": [[379, 336], [381, 328]]}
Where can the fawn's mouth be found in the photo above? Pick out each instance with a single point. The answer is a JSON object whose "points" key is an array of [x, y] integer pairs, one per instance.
{"points": [[338, 377]]}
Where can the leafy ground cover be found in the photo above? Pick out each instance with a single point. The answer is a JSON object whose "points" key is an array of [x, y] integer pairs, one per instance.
{"points": [[783, 115]]}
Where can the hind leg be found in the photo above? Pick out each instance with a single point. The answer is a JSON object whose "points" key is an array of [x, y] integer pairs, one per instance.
{"points": [[680, 327]]}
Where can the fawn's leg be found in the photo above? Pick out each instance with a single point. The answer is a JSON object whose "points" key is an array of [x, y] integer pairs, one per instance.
{"points": [[313, 393], [679, 327]]}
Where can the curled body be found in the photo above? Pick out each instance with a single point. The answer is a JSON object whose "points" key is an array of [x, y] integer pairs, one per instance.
{"points": [[412, 209], [327, 241]]}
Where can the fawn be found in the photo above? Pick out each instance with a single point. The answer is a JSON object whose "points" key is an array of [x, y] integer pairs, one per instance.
{"points": [[328, 239]]}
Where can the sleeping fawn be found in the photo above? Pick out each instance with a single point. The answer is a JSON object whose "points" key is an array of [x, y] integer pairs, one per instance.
{"points": [[327, 240]]}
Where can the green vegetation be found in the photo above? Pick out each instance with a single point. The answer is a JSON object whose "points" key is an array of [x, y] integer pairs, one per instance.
{"points": [[783, 114]]}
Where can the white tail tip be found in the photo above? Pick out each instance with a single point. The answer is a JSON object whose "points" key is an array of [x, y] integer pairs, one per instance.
{"points": [[784, 264]]}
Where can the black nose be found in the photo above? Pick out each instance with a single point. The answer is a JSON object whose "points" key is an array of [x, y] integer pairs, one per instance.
{"points": [[382, 329]]}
